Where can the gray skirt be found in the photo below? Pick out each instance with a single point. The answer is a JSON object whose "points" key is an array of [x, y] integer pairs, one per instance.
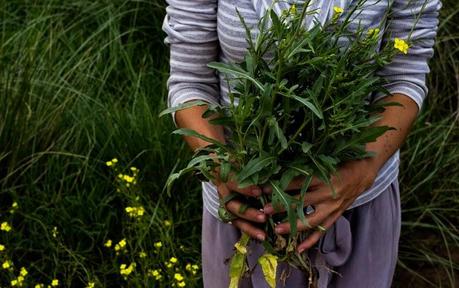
{"points": [[358, 251]]}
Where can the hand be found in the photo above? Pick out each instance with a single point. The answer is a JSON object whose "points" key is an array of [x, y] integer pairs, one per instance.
{"points": [[250, 214], [351, 179]]}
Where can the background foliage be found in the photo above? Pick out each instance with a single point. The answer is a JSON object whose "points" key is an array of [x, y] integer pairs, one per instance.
{"points": [[83, 81]]}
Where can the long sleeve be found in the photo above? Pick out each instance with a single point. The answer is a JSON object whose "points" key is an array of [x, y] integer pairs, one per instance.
{"points": [[416, 20], [191, 28]]}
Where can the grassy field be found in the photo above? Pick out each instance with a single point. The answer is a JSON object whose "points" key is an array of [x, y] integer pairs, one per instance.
{"points": [[82, 83]]}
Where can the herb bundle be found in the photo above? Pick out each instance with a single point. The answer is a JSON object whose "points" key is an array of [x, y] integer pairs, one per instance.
{"points": [[299, 112]]}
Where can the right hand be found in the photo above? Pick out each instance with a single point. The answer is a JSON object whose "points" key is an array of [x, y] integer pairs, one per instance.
{"points": [[250, 214]]}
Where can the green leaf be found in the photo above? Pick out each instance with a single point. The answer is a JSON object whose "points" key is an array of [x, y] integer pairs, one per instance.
{"points": [[253, 166], [279, 134], [183, 106], [311, 106], [235, 70], [192, 133]]}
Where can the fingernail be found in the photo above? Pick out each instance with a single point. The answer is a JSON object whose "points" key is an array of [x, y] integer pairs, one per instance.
{"points": [[261, 210], [268, 210], [261, 237], [261, 217]]}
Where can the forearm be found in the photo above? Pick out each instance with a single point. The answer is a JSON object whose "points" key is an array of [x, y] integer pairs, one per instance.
{"points": [[191, 118], [399, 117]]}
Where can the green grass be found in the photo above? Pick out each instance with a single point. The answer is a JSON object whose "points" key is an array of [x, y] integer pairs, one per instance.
{"points": [[83, 82]]}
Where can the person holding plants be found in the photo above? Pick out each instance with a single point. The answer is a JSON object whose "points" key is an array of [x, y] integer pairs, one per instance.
{"points": [[354, 233]]}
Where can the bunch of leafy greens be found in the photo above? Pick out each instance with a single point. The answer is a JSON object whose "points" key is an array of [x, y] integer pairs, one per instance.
{"points": [[300, 106]]}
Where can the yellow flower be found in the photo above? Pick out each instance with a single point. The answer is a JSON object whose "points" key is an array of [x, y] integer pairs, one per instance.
{"points": [[373, 31], [135, 211], [2, 247], [134, 169], [167, 223], [114, 160], [128, 178], [23, 271], [338, 10], [401, 45], [142, 254], [7, 264], [293, 9], [20, 279], [14, 282], [182, 284], [195, 267], [155, 273], [120, 245], [55, 282], [5, 226], [188, 267], [126, 271], [39, 285], [109, 163], [120, 176], [91, 285], [169, 265], [178, 277], [54, 231], [108, 243], [173, 260], [158, 244]]}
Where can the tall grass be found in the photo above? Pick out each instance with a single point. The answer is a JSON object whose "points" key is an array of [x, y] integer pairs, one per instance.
{"points": [[82, 82]]}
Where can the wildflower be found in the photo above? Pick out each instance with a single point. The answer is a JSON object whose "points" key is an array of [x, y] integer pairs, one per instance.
{"points": [[188, 267], [23, 271], [167, 223], [292, 9], [111, 162], [401, 45], [195, 267], [108, 243], [178, 277], [128, 178], [2, 247], [14, 282], [338, 10], [181, 284], [135, 211], [158, 244], [7, 264], [39, 285], [134, 169], [155, 273], [173, 260], [142, 254], [91, 285], [373, 32], [5, 226], [125, 271], [120, 245], [55, 282], [120, 176], [54, 231]]}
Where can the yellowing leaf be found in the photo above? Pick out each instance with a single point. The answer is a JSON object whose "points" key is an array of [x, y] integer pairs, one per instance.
{"points": [[238, 264], [268, 263]]}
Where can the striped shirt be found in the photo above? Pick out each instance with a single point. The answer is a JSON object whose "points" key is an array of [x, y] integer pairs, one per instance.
{"points": [[201, 31]]}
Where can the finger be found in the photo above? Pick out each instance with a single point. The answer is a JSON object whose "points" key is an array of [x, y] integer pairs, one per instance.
{"points": [[251, 190], [252, 231], [316, 218], [310, 198], [250, 214], [296, 184], [314, 237]]}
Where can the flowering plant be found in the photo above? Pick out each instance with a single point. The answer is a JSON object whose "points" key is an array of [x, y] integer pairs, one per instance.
{"points": [[300, 106]]}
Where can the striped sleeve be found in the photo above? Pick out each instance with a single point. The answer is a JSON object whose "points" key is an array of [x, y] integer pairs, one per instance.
{"points": [[191, 34], [416, 20]]}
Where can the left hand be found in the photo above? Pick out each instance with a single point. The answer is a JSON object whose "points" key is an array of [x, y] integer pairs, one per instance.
{"points": [[352, 178]]}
